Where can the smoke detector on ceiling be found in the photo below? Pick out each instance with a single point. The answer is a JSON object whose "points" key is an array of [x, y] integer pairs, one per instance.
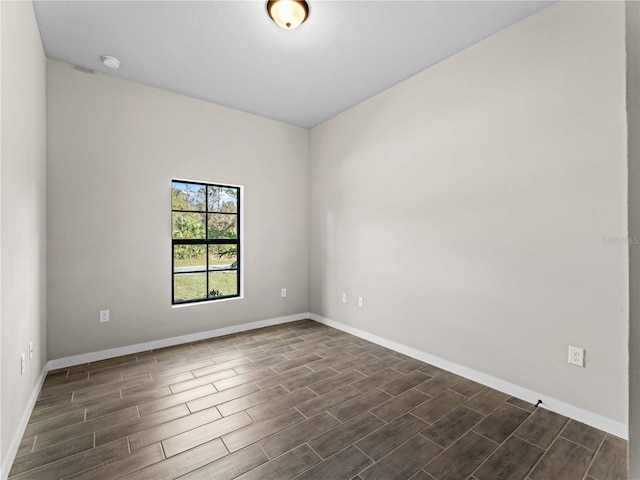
{"points": [[110, 62]]}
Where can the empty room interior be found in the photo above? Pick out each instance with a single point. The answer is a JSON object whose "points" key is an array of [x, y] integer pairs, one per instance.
{"points": [[339, 240]]}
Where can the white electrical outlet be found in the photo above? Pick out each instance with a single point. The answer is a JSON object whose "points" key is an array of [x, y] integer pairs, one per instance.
{"points": [[30, 350], [576, 356], [104, 316], [344, 298], [23, 363], [360, 302], [283, 292]]}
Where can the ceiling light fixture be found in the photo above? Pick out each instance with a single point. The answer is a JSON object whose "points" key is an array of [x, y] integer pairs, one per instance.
{"points": [[288, 14], [110, 62]]}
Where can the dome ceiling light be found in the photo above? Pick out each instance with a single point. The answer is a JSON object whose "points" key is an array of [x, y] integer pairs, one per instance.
{"points": [[288, 14]]}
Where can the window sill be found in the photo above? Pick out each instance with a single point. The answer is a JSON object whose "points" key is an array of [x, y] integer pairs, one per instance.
{"points": [[206, 302]]}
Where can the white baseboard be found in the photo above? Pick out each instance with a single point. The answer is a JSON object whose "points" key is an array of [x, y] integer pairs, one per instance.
{"points": [[597, 421], [7, 461], [168, 342]]}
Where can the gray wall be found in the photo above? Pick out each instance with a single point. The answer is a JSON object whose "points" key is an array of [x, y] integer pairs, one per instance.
{"points": [[114, 147], [468, 206], [633, 118], [23, 214]]}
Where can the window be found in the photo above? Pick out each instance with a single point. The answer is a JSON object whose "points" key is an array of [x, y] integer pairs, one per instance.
{"points": [[205, 225]]}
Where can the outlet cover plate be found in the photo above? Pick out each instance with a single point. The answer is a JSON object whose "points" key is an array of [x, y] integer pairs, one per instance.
{"points": [[576, 356]]}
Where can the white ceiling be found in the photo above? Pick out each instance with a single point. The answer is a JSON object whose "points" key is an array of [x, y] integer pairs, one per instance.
{"points": [[231, 53]]}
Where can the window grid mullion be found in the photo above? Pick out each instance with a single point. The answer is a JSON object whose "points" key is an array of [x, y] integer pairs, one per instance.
{"points": [[206, 235], [202, 211], [215, 241]]}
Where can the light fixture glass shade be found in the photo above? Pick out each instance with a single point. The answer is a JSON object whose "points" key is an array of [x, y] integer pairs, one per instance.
{"points": [[289, 14]]}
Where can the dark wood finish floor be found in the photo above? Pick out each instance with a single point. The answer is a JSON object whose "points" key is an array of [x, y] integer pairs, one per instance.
{"points": [[299, 400]]}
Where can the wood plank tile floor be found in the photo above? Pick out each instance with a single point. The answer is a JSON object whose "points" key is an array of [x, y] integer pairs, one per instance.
{"points": [[296, 401]]}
